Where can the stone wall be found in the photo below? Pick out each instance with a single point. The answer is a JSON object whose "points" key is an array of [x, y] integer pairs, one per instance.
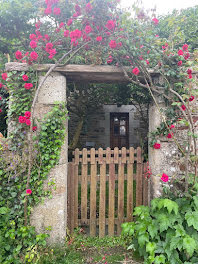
{"points": [[53, 212]]}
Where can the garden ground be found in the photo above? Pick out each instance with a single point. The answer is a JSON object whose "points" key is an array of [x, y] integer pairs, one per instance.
{"points": [[90, 250]]}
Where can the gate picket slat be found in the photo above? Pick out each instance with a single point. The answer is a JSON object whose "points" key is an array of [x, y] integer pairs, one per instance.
{"points": [[129, 192], [75, 196], [102, 204], [93, 194], [139, 178], [116, 155], [120, 196], [111, 199], [84, 187]]}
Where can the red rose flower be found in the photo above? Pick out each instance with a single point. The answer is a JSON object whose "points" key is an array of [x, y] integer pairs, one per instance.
{"points": [[48, 10], [56, 11], [4, 76], [48, 47], [28, 122], [99, 39], [191, 98], [28, 86], [66, 33], [27, 114], [33, 44], [164, 177], [135, 71], [25, 77], [18, 55], [187, 56], [22, 119], [1, 85], [190, 76], [147, 62], [180, 52], [185, 47], [88, 29], [32, 36], [112, 44], [179, 63], [69, 22], [172, 126], [169, 135], [34, 128], [189, 71], [61, 25], [28, 191], [34, 55], [183, 107], [47, 37], [110, 25], [110, 60], [0, 110], [156, 146], [155, 20], [0, 98]]}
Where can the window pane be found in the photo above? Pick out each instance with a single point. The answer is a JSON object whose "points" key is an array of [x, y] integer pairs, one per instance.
{"points": [[122, 130], [122, 122], [116, 130]]}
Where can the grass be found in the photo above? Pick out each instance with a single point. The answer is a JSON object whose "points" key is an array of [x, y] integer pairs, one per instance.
{"points": [[88, 250]]}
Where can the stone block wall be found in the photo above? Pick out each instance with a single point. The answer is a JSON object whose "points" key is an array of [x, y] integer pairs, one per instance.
{"points": [[96, 128], [53, 212]]}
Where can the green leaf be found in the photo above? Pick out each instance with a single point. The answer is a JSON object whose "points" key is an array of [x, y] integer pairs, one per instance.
{"points": [[189, 245], [192, 219], [153, 230], [160, 259], [150, 247], [171, 206], [142, 239]]}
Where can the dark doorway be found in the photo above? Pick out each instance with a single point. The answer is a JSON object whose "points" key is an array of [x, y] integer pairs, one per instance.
{"points": [[119, 130]]}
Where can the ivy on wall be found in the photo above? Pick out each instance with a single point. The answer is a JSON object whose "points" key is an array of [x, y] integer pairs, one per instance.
{"points": [[15, 237]]}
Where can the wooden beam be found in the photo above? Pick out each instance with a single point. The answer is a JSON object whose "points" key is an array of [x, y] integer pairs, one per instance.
{"points": [[82, 73]]}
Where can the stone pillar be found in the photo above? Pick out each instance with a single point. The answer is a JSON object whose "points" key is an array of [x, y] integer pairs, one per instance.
{"points": [[163, 160], [53, 212]]}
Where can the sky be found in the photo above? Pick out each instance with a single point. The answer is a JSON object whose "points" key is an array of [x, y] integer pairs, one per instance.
{"points": [[163, 6]]}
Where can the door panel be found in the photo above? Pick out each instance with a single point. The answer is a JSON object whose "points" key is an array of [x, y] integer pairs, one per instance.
{"points": [[119, 130]]}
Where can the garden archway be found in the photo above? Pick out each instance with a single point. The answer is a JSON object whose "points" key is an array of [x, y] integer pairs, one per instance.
{"points": [[53, 211]]}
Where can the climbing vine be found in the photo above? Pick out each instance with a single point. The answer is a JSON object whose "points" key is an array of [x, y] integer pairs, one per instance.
{"points": [[13, 192]]}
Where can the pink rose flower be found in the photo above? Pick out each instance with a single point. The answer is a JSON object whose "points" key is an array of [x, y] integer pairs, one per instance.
{"points": [[25, 78], [164, 177], [135, 71], [28, 191]]}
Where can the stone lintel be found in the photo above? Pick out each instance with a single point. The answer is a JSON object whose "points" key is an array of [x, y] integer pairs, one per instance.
{"points": [[86, 73]]}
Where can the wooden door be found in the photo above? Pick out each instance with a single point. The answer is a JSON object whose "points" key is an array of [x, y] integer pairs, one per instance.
{"points": [[119, 130]]}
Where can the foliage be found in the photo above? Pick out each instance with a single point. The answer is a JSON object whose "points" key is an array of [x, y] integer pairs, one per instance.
{"points": [[15, 17], [16, 237], [180, 26], [166, 232]]}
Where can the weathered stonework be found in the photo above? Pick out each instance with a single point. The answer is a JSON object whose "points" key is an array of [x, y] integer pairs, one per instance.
{"points": [[53, 212]]}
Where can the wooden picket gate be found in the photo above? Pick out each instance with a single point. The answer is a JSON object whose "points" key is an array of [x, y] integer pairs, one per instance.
{"points": [[103, 188]]}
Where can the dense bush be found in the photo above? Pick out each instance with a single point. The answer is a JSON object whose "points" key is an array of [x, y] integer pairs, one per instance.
{"points": [[166, 232]]}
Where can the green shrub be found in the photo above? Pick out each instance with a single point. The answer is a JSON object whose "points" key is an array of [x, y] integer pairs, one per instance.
{"points": [[166, 232]]}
